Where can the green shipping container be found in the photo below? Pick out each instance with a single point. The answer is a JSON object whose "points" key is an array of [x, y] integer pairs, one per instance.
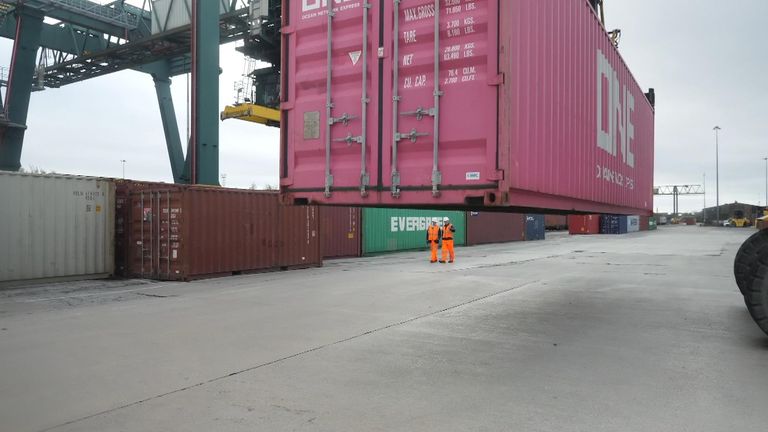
{"points": [[390, 230]]}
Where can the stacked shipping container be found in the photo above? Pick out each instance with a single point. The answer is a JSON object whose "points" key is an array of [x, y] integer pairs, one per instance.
{"points": [[543, 80]]}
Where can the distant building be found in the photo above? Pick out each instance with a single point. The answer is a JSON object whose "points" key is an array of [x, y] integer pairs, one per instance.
{"points": [[727, 211]]}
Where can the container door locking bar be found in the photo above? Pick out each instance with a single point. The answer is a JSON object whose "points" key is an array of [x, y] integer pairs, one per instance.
{"points": [[364, 177], [396, 99], [436, 175], [346, 118], [328, 103]]}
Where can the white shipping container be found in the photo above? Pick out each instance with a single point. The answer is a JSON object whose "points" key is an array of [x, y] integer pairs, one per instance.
{"points": [[633, 224], [170, 14], [55, 226]]}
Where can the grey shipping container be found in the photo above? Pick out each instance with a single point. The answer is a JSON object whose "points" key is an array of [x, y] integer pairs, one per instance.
{"points": [[494, 227], [55, 227]]}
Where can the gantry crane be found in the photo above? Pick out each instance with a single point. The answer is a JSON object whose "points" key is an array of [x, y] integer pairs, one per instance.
{"points": [[675, 191], [89, 39]]}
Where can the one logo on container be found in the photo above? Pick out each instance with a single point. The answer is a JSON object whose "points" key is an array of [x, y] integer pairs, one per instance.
{"points": [[615, 108], [409, 224], [313, 5]]}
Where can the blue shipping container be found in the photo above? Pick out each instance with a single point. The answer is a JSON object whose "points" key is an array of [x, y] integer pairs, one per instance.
{"points": [[535, 227], [613, 224]]}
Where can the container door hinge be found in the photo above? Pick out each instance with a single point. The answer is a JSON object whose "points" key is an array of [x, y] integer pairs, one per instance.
{"points": [[496, 80], [496, 175]]}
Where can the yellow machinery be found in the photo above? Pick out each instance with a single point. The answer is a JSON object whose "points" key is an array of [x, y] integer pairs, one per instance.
{"points": [[252, 113], [739, 220], [762, 223]]}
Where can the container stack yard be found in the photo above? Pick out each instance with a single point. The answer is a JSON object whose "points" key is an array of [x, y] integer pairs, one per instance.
{"points": [[408, 215]]}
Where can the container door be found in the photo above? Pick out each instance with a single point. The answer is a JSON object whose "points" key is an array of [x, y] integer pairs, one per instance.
{"points": [[143, 235], [330, 94], [440, 130]]}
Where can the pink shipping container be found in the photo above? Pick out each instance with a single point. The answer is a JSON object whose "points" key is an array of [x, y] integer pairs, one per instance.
{"points": [[533, 107]]}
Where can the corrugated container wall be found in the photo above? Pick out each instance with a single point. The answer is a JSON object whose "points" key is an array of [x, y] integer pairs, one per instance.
{"points": [[171, 14], [534, 227], [55, 226], [584, 224], [390, 230], [494, 227], [340, 231], [556, 120]]}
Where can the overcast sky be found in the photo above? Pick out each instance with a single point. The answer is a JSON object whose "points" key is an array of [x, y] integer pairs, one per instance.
{"points": [[705, 58]]}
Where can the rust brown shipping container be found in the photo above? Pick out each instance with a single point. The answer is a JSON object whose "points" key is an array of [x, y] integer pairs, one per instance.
{"points": [[189, 232], [340, 232], [644, 223], [492, 227], [298, 238], [556, 222], [123, 189], [583, 224]]}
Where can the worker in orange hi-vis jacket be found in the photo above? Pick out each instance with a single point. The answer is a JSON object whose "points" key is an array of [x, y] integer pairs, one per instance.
{"points": [[433, 239], [448, 232]]}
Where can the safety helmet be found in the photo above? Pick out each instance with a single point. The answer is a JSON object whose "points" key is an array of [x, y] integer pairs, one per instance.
{"points": [[446, 219]]}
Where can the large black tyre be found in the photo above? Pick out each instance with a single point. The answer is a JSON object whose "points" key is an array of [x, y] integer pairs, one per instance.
{"points": [[746, 262], [756, 296]]}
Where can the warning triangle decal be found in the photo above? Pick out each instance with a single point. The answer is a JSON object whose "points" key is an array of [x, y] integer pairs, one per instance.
{"points": [[355, 57]]}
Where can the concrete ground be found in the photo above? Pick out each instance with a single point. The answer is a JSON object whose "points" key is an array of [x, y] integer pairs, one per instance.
{"points": [[644, 332]]}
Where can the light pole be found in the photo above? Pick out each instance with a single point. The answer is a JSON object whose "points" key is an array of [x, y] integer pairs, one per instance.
{"points": [[766, 181], [717, 171], [123, 162], [704, 212]]}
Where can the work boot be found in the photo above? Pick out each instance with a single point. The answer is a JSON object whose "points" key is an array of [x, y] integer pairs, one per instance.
{"points": [[433, 262], [442, 262], [450, 262]]}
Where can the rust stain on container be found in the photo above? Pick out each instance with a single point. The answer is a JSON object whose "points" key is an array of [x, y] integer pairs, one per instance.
{"points": [[176, 232], [340, 232], [491, 227]]}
